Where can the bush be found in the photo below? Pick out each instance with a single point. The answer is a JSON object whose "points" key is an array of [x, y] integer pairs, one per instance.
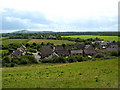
{"points": [[85, 58], [71, 59], [114, 53], [6, 59], [79, 58], [99, 55], [24, 61], [12, 65], [27, 59], [59, 60], [33, 50], [15, 60]]}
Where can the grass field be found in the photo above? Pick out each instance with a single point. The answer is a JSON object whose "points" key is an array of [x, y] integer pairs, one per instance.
{"points": [[9, 41], [55, 42], [89, 74], [4, 38], [106, 38], [2, 52]]}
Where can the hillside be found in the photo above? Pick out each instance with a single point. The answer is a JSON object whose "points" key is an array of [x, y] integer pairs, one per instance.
{"points": [[89, 74], [27, 32]]}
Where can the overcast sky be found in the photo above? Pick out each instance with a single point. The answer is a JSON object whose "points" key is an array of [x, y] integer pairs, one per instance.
{"points": [[59, 15]]}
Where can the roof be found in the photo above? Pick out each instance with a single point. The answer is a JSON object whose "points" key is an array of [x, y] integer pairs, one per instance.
{"points": [[60, 50], [104, 43], [89, 51], [46, 51], [63, 48], [76, 51], [102, 51], [89, 47]]}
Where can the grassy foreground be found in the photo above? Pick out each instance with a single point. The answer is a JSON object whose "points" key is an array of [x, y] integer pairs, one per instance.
{"points": [[106, 38], [89, 74]]}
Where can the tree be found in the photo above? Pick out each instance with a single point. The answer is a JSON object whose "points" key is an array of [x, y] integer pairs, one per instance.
{"points": [[42, 43], [34, 44], [27, 45], [6, 59], [63, 45]]}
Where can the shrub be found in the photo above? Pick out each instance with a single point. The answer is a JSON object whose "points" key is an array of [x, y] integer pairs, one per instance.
{"points": [[24, 61], [59, 60], [85, 58], [15, 60], [32, 59], [71, 59], [27, 59], [12, 65], [79, 58], [99, 55], [6, 59], [33, 50], [114, 53]]}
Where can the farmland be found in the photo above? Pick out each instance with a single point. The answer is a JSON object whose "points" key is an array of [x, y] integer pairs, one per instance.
{"points": [[9, 41], [89, 74], [3, 38], [106, 38], [2, 52], [55, 42]]}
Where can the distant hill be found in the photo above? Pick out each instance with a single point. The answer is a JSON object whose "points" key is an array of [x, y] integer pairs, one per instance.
{"points": [[27, 31]]}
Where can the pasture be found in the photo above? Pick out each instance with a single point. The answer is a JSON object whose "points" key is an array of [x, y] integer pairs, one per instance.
{"points": [[4, 38], [106, 38], [2, 52], [89, 74], [9, 41], [55, 42]]}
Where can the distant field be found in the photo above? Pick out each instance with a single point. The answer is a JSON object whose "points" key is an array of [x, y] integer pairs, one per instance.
{"points": [[3, 52], [89, 74], [56, 42], [3, 38], [106, 38], [9, 41]]}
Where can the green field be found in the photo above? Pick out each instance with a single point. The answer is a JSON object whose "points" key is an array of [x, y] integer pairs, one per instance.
{"points": [[55, 42], [9, 41], [2, 52], [89, 74], [106, 38], [3, 38]]}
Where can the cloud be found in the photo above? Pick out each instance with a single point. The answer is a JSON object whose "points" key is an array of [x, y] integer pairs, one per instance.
{"points": [[13, 19]]}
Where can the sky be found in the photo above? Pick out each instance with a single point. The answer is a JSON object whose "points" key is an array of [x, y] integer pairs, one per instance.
{"points": [[58, 15]]}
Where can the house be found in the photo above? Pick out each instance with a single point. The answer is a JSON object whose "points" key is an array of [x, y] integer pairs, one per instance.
{"points": [[76, 52], [98, 41], [101, 50], [19, 52], [79, 45], [36, 56], [103, 45], [46, 51], [63, 50], [112, 48], [89, 50], [53, 55]]}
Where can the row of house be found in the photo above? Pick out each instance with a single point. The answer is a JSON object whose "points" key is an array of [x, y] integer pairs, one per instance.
{"points": [[49, 51], [19, 52]]}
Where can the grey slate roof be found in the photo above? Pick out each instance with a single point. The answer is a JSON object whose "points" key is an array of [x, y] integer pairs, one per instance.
{"points": [[46, 51], [76, 51]]}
